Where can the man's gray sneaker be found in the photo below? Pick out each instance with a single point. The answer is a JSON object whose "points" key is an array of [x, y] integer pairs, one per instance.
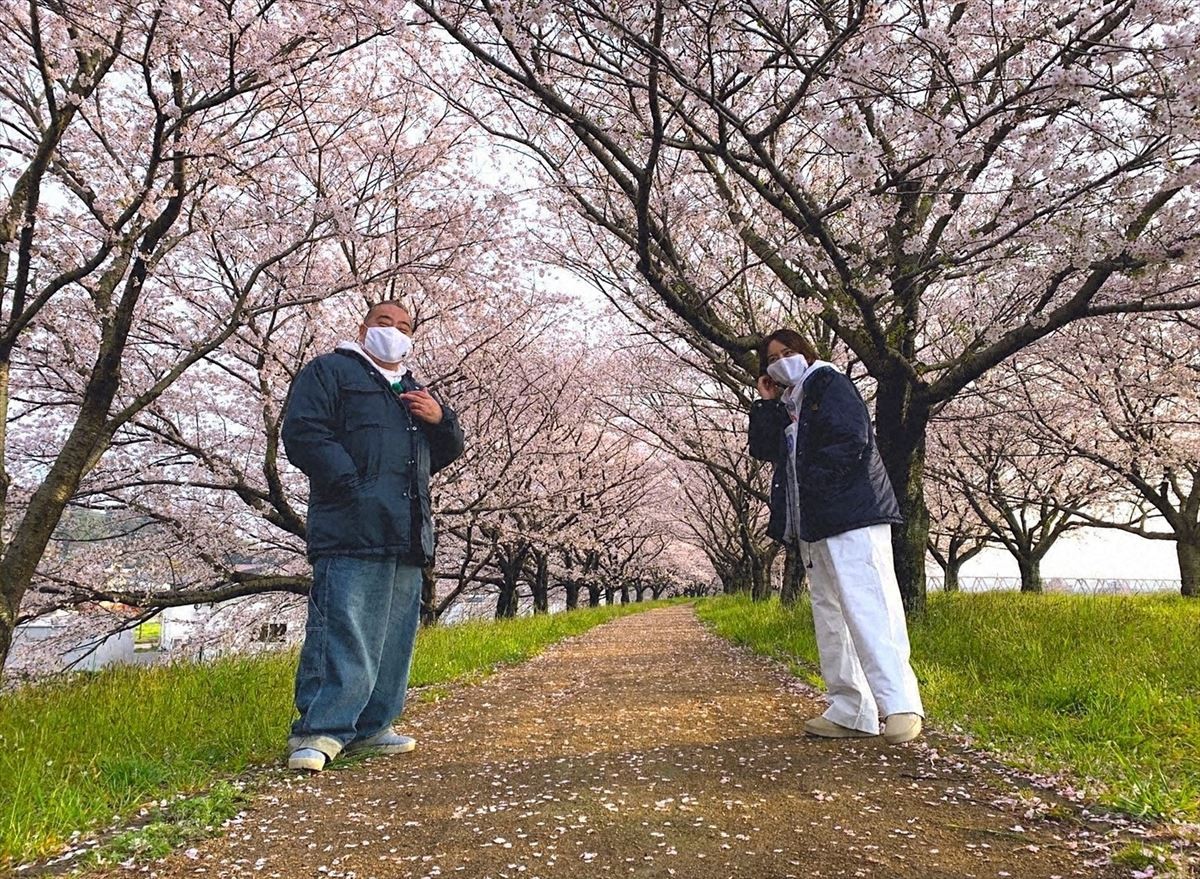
{"points": [[307, 758], [386, 742]]}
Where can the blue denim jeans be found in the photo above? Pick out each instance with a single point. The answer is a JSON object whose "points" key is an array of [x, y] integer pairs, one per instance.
{"points": [[353, 674]]}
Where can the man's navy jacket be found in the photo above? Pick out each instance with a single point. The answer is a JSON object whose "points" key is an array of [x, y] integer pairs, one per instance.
{"points": [[367, 459], [842, 481]]}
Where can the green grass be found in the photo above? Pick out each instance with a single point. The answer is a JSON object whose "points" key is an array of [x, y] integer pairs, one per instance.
{"points": [[77, 752], [1104, 688], [170, 826], [149, 632]]}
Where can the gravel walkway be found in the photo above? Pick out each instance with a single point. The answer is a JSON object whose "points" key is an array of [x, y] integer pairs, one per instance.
{"points": [[645, 747]]}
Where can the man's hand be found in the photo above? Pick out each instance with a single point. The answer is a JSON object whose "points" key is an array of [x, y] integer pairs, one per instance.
{"points": [[423, 407], [767, 388]]}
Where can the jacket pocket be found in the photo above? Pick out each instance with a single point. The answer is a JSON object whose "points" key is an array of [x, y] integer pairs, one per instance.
{"points": [[364, 406]]}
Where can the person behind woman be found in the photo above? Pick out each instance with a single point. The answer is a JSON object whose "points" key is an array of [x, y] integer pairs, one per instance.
{"points": [[831, 499]]}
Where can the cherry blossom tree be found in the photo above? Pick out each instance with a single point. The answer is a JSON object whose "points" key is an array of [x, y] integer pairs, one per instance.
{"points": [[943, 185], [1025, 492], [955, 534], [1125, 396], [691, 411], [171, 171]]}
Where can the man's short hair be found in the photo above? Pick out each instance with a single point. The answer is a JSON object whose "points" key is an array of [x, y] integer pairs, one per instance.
{"points": [[395, 303]]}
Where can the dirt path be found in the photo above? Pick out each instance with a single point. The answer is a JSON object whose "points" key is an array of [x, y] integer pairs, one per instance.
{"points": [[646, 747]]}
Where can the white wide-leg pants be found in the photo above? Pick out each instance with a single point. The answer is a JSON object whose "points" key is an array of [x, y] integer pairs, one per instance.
{"points": [[862, 637]]}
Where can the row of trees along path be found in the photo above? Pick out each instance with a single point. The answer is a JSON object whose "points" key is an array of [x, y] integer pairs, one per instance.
{"points": [[646, 747]]}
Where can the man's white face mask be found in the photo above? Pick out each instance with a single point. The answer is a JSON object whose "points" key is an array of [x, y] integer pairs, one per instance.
{"points": [[387, 344], [788, 370]]}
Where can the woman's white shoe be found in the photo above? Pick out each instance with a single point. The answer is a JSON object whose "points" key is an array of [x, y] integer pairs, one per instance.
{"points": [[901, 728]]}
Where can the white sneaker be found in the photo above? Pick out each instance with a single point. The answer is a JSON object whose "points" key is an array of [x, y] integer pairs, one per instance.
{"points": [[307, 758], [824, 728], [901, 728], [386, 742]]}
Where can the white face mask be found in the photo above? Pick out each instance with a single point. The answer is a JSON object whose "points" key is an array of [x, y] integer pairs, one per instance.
{"points": [[788, 370], [387, 344]]}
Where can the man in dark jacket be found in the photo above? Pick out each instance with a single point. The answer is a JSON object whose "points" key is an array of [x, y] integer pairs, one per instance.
{"points": [[368, 437], [831, 499]]}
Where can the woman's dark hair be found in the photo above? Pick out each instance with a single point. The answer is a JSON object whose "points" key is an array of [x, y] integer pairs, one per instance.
{"points": [[791, 339]]}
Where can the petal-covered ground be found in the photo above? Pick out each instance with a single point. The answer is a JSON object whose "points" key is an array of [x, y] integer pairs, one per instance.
{"points": [[646, 747]]}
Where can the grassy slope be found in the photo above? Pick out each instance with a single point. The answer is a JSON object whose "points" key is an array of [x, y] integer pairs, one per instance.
{"points": [[1106, 688]]}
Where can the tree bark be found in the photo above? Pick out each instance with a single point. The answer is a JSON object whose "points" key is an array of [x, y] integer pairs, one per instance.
{"points": [[428, 596], [541, 585], [795, 582], [571, 587], [593, 595], [1187, 551], [506, 601], [1031, 574], [902, 447], [760, 576]]}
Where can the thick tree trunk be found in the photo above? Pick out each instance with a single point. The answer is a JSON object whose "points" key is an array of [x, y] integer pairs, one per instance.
{"points": [[640, 594], [541, 587], [506, 601], [730, 584], [609, 594], [794, 579], [1187, 551], [901, 438], [428, 596], [1031, 574], [950, 583], [571, 587], [593, 595]]}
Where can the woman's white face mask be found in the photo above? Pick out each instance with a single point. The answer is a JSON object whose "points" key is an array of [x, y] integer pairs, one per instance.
{"points": [[788, 370]]}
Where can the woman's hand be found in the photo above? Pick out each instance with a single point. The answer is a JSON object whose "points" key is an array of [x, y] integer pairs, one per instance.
{"points": [[767, 388]]}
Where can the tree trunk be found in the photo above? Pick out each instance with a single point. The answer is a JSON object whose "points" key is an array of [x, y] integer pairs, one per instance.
{"points": [[541, 586], [609, 594], [1187, 550], [1031, 574], [593, 595], [506, 601], [639, 594], [428, 596], [760, 576], [794, 579], [902, 447], [571, 587], [951, 570]]}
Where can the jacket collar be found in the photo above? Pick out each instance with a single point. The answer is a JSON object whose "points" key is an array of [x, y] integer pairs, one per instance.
{"points": [[795, 394], [355, 350]]}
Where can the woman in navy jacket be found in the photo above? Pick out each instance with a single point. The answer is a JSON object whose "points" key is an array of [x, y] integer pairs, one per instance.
{"points": [[832, 500]]}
